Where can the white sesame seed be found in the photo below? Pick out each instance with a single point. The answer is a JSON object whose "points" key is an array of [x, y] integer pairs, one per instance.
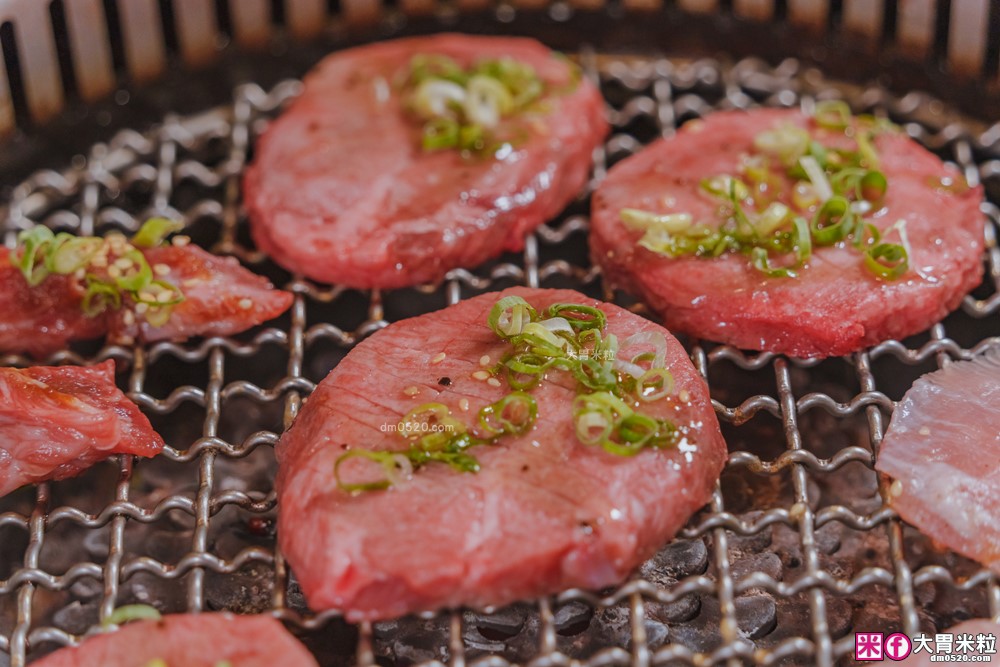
{"points": [[464, 404], [438, 358], [493, 382], [684, 396], [480, 375], [124, 263], [924, 430], [129, 317], [80, 274], [164, 297], [246, 304], [191, 282], [114, 271], [146, 295], [141, 308], [411, 391], [99, 261], [484, 360], [181, 241], [896, 489], [161, 269]]}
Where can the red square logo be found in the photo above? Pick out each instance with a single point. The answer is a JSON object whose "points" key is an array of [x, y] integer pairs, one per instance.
{"points": [[868, 646]]}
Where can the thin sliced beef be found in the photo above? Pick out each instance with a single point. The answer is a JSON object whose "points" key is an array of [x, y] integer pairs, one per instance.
{"points": [[222, 298], [544, 512], [58, 421], [40, 320], [341, 190], [835, 306], [942, 448], [189, 640]]}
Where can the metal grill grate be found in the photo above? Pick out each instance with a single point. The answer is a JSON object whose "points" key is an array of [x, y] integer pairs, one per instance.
{"points": [[795, 550]]}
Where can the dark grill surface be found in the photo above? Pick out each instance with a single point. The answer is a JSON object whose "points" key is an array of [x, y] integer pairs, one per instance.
{"points": [[796, 552]]}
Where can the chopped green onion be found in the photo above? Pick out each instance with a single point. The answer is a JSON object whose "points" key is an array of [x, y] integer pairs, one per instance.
{"points": [[439, 134], [817, 176], [513, 414], [772, 219], [872, 186], [131, 612], [542, 341], [509, 316], [601, 401], [431, 65], [525, 369], [154, 231], [788, 143], [832, 222], [593, 427], [429, 417], [723, 185], [833, 114], [612, 447], [99, 296], [653, 339], [387, 461], [72, 253], [461, 107], [594, 374], [459, 461], [471, 138], [887, 260], [670, 223], [869, 156], [803, 240], [580, 317], [486, 100], [655, 384], [637, 429], [140, 278], [762, 262], [35, 241]]}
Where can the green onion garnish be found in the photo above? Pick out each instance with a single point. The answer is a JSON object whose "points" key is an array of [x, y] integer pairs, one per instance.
{"points": [[155, 231], [109, 268], [131, 612], [462, 108], [793, 194], [887, 260], [832, 222], [513, 414], [833, 114], [570, 339]]}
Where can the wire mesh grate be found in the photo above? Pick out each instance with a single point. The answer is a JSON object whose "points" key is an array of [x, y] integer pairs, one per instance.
{"points": [[796, 548]]}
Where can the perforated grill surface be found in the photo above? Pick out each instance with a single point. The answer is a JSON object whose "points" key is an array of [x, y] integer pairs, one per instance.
{"points": [[796, 551]]}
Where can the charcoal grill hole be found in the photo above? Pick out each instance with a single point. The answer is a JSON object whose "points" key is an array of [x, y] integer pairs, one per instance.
{"points": [[794, 561], [495, 634], [578, 627]]}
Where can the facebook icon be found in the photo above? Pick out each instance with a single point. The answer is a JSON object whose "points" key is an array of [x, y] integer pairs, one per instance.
{"points": [[897, 646]]}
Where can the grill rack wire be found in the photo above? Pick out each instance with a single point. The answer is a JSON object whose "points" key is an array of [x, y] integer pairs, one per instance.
{"points": [[659, 91]]}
